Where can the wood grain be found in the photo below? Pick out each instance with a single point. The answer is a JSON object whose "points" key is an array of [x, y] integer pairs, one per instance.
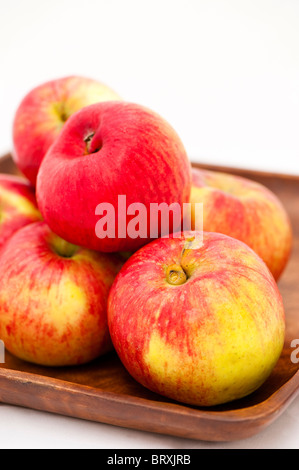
{"points": [[103, 391]]}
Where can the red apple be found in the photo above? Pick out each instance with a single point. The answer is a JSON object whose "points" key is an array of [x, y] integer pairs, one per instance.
{"points": [[107, 151], [53, 298], [246, 210], [43, 112], [17, 205], [201, 324]]}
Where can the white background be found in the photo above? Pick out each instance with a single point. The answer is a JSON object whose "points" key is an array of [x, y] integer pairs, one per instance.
{"points": [[224, 73]]}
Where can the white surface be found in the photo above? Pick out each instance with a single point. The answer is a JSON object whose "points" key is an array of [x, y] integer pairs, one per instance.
{"points": [[225, 74], [26, 429]]}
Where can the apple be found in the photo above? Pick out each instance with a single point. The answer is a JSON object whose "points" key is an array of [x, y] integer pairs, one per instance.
{"points": [[43, 112], [17, 205], [105, 152], [53, 298], [202, 324], [246, 210]]}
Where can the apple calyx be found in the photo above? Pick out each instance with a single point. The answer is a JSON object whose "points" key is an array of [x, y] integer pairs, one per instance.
{"points": [[175, 275], [63, 248], [62, 112]]}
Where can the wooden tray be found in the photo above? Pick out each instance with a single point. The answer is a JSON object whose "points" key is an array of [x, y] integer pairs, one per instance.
{"points": [[103, 391]]}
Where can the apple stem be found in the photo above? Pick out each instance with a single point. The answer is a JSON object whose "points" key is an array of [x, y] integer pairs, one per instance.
{"points": [[175, 275], [87, 141]]}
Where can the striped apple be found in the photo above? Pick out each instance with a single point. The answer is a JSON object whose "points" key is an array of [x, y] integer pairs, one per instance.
{"points": [[200, 324], [246, 210], [43, 112]]}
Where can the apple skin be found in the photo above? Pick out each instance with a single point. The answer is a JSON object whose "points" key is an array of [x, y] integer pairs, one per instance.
{"points": [[246, 210], [53, 298], [17, 206], [43, 112], [214, 337], [133, 152]]}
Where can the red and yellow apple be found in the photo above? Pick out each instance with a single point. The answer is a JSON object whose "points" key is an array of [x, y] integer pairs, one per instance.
{"points": [[106, 151], [53, 298], [17, 206], [246, 210], [202, 324], [43, 112]]}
